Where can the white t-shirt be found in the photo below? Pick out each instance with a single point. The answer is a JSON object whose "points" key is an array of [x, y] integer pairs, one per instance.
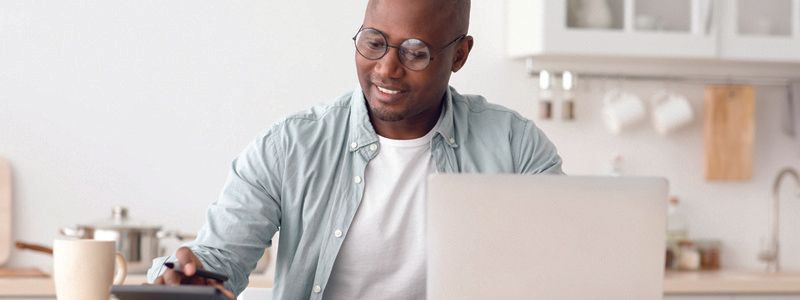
{"points": [[383, 255]]}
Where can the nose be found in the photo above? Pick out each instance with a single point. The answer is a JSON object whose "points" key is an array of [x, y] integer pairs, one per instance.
{"points": [[389, 65]]}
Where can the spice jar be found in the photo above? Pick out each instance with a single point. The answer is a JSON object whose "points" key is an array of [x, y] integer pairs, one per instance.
{"points": [[671, 255], [568, 104], [545, 109], [545, 96], [568, 109], [709, 254]]}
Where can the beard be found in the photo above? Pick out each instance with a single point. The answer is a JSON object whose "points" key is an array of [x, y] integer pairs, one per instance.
{"points": [[385, 114]]}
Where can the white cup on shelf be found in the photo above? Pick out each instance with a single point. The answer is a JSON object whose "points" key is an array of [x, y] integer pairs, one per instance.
{"points": [[671, 111], [621, 110]]}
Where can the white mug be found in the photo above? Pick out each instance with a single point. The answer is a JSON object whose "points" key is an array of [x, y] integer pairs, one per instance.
{"points": [[84, 269], [670, 112], [621, 110]]}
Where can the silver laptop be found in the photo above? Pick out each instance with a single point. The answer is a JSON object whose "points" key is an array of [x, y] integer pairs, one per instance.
{"points": [[545, 237]]}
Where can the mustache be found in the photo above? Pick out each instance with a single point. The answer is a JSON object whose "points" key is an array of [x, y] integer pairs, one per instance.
{"points": [[377, 80]]}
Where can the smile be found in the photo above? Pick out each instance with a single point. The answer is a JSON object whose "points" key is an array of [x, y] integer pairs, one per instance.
{"points": [[387, 91]]}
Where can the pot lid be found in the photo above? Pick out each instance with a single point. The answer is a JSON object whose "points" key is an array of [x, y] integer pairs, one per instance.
{"points": [[120, 220]]}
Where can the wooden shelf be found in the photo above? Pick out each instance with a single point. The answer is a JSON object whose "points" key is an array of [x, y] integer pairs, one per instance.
{"points": [[731, 282]]}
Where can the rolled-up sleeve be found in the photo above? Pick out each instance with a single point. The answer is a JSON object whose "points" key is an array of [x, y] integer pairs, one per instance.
{"points": [[536, 154], [242, 222]]}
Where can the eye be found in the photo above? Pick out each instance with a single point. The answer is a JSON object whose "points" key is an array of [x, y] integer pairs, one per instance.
{"points": [[414, 49], [415, 55], [376, 44]]}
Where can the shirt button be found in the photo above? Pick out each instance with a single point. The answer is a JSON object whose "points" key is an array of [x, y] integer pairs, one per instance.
{"points": [[357, 179], [337, 233], [452, 141], [317, 289], [373, 147], [354, 145]]}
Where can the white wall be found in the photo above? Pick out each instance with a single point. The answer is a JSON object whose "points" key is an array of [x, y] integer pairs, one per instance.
{"points": [[145, 103]]}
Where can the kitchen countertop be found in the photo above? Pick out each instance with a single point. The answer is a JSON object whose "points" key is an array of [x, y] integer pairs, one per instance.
{"points": [[44, 287], [675, 283], [731, 282]]}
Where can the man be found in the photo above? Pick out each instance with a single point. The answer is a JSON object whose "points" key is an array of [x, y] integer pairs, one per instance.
{"points": [[345, 183]]}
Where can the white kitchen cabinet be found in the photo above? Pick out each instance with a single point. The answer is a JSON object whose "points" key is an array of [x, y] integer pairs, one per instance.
{"points": [[627, 28], [757, 30], [721, 30]]}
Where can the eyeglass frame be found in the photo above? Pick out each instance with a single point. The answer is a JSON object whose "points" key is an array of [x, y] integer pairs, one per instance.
{"points": [[386, 48]]}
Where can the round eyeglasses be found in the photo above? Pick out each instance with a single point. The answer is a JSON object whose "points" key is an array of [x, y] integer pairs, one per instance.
{"points": [[413, 53]]}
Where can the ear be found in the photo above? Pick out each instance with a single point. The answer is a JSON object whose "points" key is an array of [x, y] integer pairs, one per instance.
{"points": [[462, 52]]}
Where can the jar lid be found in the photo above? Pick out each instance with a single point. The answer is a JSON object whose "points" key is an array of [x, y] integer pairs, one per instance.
{"points": [[709, 243], [120, 221]]}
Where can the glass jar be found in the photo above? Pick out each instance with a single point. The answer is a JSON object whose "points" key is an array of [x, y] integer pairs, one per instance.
{"points": [[672, 255], [688, 256], [709, 254]]}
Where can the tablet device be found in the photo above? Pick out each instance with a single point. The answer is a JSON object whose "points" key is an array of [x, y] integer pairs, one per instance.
{"points": [[166, 292]]}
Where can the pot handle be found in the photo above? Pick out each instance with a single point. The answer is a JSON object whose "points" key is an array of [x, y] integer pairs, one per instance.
{"points": [[73, 232], [34, 247]]}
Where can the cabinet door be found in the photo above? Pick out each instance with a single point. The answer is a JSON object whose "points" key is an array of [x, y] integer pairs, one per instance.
{"points": [[758, 30], [622, 28]]}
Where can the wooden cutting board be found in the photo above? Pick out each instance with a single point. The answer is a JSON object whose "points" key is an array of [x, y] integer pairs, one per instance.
{"points": [[729, 132], [21, 272], [5, 210]]}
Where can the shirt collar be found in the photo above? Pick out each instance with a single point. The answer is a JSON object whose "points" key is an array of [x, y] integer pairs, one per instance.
{"points": [[446, 127], [363, 134]]}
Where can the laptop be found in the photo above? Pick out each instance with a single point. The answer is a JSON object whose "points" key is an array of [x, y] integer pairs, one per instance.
{"points": [[545, 237]]}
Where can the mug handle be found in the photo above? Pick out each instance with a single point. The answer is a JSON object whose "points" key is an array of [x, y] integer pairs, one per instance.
{"points": [[660, 97], [612, 96], [120, 269]]}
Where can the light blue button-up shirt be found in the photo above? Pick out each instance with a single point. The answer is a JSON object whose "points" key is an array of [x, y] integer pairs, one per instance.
{"points": [[305, 177]]}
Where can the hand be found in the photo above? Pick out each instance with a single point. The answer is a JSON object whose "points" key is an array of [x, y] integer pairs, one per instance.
{"points": [[190, 264]]}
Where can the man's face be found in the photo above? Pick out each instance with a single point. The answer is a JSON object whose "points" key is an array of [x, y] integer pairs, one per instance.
{"points": [[394, 92]]}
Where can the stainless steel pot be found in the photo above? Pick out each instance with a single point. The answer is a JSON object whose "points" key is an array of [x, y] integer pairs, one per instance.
{"points": [[137, 242]]}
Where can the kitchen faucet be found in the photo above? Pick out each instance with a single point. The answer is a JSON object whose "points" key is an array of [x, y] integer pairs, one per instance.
{"points": [[771, 255]]}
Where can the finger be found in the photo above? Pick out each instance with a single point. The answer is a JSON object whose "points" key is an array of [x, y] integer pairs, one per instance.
{"points": [[228, 294], [222, 289], [194, 280], [187, 260], [172, 278], [159, 280]]}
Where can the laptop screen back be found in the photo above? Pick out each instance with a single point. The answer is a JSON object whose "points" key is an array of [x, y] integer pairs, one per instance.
{"points": [[545, 237]]}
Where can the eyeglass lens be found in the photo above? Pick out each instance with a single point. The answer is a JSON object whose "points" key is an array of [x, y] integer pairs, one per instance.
{"points": [[372, 45]]}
